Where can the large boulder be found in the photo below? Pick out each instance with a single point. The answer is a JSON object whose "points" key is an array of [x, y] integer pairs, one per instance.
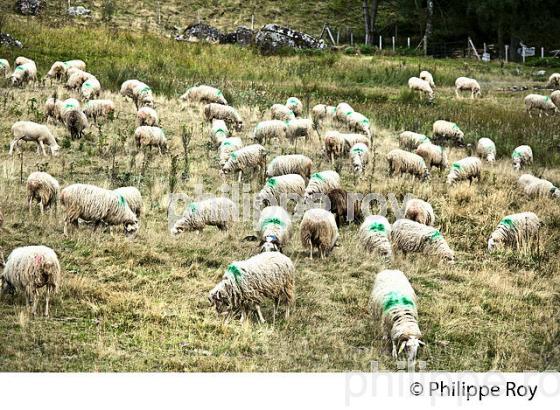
{"points": [[242, 35], [8, 41], [200, 32], [273, 37], [28, 7]]}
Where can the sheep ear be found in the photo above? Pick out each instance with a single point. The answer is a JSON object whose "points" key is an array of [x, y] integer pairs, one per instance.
{"points": [[421, 343], [401, 348]]}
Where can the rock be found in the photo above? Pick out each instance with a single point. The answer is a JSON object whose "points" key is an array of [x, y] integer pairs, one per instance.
{"points": [[78, 11], [8, 41], [273, 37], [200, 32], [28, 7], [242, 35]]}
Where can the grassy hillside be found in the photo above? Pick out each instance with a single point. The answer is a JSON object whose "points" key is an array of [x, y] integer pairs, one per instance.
{"points": [[139, 305]]}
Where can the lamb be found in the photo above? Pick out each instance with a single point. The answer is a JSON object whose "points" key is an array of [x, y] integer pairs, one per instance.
{"points": [[467, 84], [411, 140], [433, 155], [42, 188], [227, 147], [375, 234], [60, 68], [204, 94], [516, 231], [142, 96], [76, 122], [150, 137], [290, 164], [97, 205], [343, 110], [266, 130], [404, 162], [77, 79], [521, 156], [24, 74], [335, 145], [344, 207], [393, 299], [322, 183], [219, 132], [32, 132], [295, 106], [91, 88], [411, 236], [274, 229], [321, 112], [281, 112], [541, 103], [247, 284], [5, 68], [147, 116], [554, 81], [466, 169], [446, 131], [417, 84], [133, 198], [128, 86], [219, 212], [96, 109], [28, 269], [300, 127], [419, 211], [224, 112], [537, 187], [486, 149], [359, 153], [555, 97], [427, 76], [318, 230], [251, 157], [278, 190]]}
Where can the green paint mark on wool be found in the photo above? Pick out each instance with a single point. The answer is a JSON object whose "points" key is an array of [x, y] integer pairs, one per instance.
{"points": [[365, 121], [507, 222], [3, 64], [233, 155], [349, 112], [20, 68], [219, 93], [220, 130], [226, 143], [273, 221], [455, 127], [358, 150], [193, 207], [235, 271], [516, 154], [146, 90], [122, 201], [87, 84], [395, 299], [424, 138], [271, 182], [456, 166], [292, 100], [436, 235], [70, 105], [318, 176], [546, 98], [377, 227]]}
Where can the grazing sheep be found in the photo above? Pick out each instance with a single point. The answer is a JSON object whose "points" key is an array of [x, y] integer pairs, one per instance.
{"points": [[96, 109], [28, 269], [32, 132], [290, 164], [423, 87], [541, 103], [76, 122], [295, 106], [91, 88], [5, 67], [133, 198], [77, 79], [227, 147], [22, 60], [322, 183], [358, 123], [393, 299], [537, 187], [224, 112], [554, 81], [555, 97], [300, 127], [467, 84], [322, 112], [404, 162], [411, 140], [343, 110], [516, 231], [410, 236], [521, 156], [274, 229], [375, 234], [24, 74], [419, 211], [353, 139], [318, 230], [335, 145], [147, 116], [281, 112], [62, 108], [204, 94], [60, 68], [51, 108], [344, 207], [128, 86], [251, 157], [427, 76], [143, 96], [247, 284], [446, 131], [433, 155], [219, 212], [278, 190], [359, 154], [219, 132], [150, 137], [43, 188], [267, 130], [466, 169], [486, 149], [97, 205]]}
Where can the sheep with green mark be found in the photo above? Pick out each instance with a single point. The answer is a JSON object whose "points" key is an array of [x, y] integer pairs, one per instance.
{"points": [[133, 198], [318, 230], [267, 130], [486, 149], [537, 187], [521, 156], [281, 112], [204, 94], [128, 86], [24, 74], [433, 155], [375, 236], [250, 158], [91, 88], [149, 137], [274, 229], [343, 110], [409, 140], [224, 112], [290, 164], [516, 231], [404, 162], [77, 79], [359, 154], [357, 122], [59, 69], [322, 183], [278, 190], [322, 112], [467, 84], [295, 105], [466, 169], [143, 96], [448, 132], [539, 103], [218, 211], [227, 147], [218, 132], [412, 237]]}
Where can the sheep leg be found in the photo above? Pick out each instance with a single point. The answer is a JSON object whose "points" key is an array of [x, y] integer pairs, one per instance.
{"points": [[32, 302], [29, 202], [42, 148], [47, 296], [394, 352], [332, 157], [310, 251], [457, 93], [239, 177], [259, 313], [287, 314]]}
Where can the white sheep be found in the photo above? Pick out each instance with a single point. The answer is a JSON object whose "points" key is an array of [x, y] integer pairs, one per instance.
{"points": [[517, 231], [298, 128], [486, 149], [410, 236], [467, 84], [281, 112], [267, 130], [322, 183], [28, 269], [77, 78], [433, 155], [32, 132], [521, 156], [96, 109], [251, 157], [343, 110], [427, 76], [21, 61], [278, 190], [59, 69], [553, 81], [537, 187], [411, 140], [353, 139], [322, 112], [246, 285], [421, 86], [335, 145], [541, 103], [5, 68], [143, 96], [97, 205], [147, 116], [76, 122], [24, 74], [91, 88], [420, 211], [150, 137], [555, 97], [128, 86], [227, 147], [404, 162], [358, 123], [62, 108], [290, 164], [274, 229], [219, 212], [375, 236], [394, 301], [42, 188], [295, 105], [204, 94], [465, 169], [133, 198], [318, 230], [447, 131], [223, 112], [359, 154], [218, 132]]}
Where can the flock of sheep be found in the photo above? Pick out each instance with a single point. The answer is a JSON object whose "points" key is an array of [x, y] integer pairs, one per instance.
{"points": [[270, 274]]}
